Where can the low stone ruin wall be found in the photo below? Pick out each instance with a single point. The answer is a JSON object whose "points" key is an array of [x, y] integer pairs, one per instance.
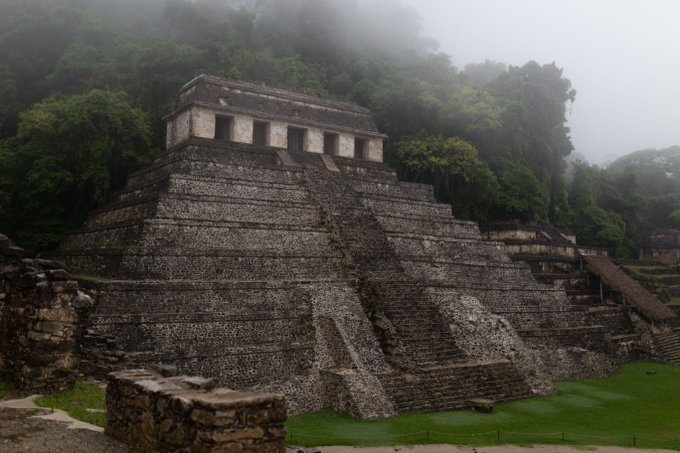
{"points": [[152, 413], [40, 313], [669, 256]]}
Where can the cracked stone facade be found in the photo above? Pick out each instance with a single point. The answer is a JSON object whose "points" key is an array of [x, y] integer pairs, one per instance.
{"points": [[41, 315], [152, 413]]}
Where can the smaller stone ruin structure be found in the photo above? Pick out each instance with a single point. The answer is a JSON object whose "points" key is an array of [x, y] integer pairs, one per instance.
{"points": [[41, 310], [662, 246], [531, 240], [639, 323], [152, 413]]}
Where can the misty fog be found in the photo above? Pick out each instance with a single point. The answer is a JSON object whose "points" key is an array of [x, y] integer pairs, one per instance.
{"points": [[620, 55], [482, 99]]}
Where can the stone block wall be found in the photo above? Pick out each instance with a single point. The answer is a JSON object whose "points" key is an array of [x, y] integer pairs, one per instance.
{"points": [[152, 413], [243, 333], [405, 224], [41, 310], [588, 338], [541, 249], [448, 269], [617, 319], [199, 122], [179, 129], [432, 246], [488, 336], [666, 255], [122, 213], [562, 363]]}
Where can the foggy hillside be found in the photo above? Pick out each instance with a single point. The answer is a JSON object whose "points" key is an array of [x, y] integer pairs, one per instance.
{"points": [[84, 86], [620, 55]]}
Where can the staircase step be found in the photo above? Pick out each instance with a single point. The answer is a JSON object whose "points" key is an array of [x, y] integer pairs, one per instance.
{"points": [[451, 386]]}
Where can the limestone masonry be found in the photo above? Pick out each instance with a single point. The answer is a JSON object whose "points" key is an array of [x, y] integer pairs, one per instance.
{"points": [[663, 246], [241, 112], [269, 247], [152, 413], [40, 313]]}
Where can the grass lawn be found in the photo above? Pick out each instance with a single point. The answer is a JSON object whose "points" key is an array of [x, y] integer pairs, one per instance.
{"points": [[642, 268], [86, 402], [633, 407]]}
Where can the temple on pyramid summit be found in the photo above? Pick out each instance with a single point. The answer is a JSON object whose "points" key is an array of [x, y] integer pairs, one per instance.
{"points": [[271, 248]]}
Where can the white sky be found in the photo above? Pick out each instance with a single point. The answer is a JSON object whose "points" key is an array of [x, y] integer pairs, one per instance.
{"points": [[622, 57]]}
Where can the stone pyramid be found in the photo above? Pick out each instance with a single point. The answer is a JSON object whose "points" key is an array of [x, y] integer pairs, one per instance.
{"points": [[270, 247]]}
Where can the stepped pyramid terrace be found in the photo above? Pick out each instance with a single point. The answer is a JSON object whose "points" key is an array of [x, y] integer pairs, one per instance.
{"points": [[270, 247]]}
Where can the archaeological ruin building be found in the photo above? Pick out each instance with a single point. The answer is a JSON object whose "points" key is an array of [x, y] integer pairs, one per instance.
{"points": [[662, 246], [270, 247]]}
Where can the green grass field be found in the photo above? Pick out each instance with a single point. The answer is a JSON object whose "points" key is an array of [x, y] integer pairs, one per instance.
{"points": [[631, 408], [643, 268], [86, 402]]}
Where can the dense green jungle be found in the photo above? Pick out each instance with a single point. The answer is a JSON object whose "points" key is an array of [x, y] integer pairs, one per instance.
{"points": [[84, 85]]}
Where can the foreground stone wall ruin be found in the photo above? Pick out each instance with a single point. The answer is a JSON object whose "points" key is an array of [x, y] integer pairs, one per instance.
{"points": [[41, 310], [152, 413]]}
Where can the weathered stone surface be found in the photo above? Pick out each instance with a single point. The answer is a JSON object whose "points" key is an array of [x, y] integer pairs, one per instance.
{"points": [[199, 382], [157, 418], [40, 314], [203, 102], [180, 403], [221, 436], [592, 334], [209, 418]]}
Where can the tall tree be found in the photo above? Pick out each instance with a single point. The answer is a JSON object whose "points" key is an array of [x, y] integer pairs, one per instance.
{"points": [[453, 167], [536, 100], [595, 200], [521, 194], [67, 157]]}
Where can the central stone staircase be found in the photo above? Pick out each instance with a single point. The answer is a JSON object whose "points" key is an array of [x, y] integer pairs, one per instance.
{"points": [[430, 371], [453, 386], [668, 342]]}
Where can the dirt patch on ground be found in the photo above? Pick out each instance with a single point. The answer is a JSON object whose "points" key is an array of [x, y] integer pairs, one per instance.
{"points": [[21, 430]]}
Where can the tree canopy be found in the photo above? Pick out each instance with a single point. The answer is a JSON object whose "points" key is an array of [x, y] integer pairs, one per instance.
{"points": [[452, 165], [67, 157], [491, 138]]}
